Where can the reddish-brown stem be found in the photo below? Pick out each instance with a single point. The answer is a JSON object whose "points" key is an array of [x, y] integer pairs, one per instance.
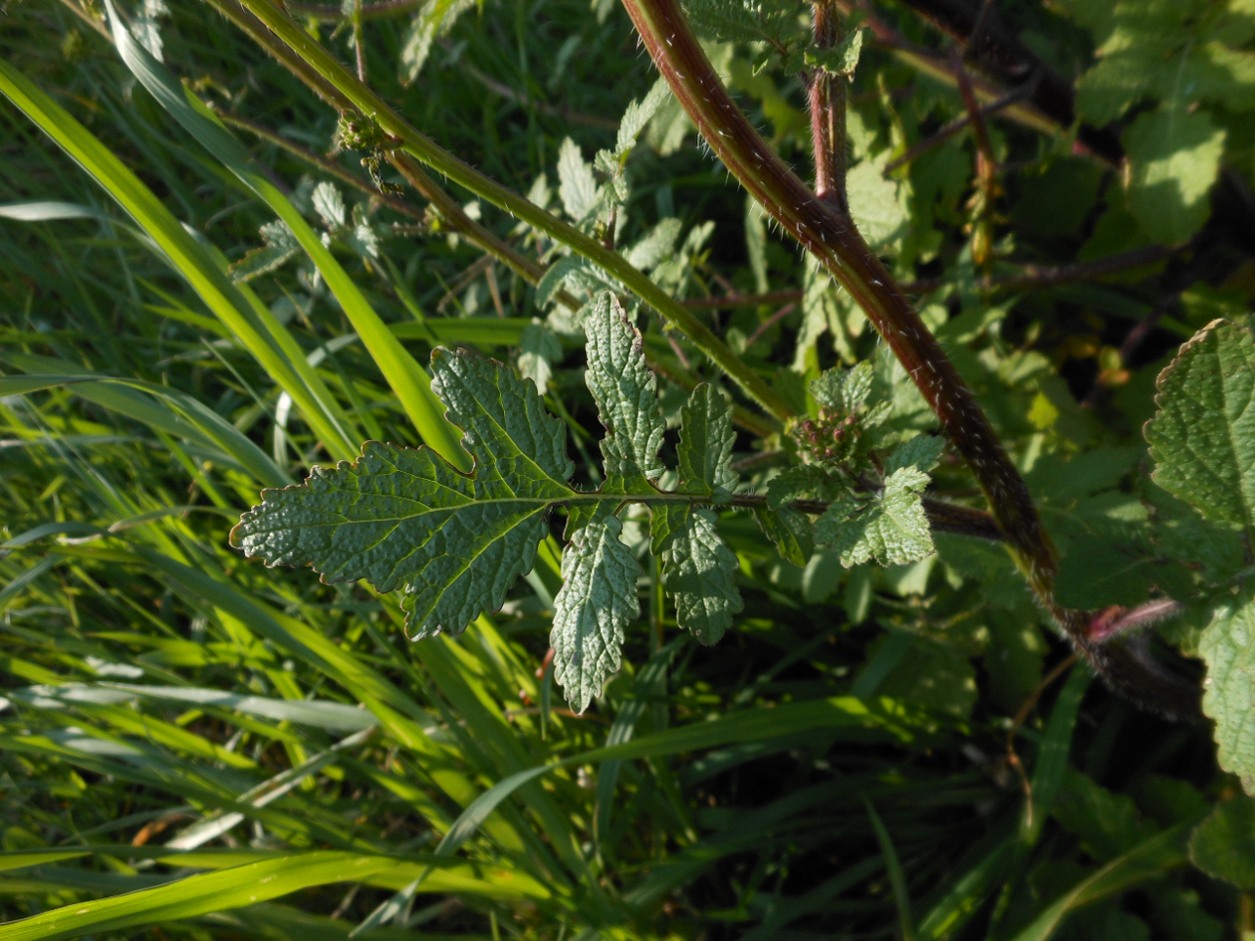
{"points": [[828, 233], [986, 172], [827, 108], [948, 130]]}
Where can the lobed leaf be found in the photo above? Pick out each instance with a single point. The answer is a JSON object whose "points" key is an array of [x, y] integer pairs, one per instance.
{"points": [[637, 116], [577, 187], [889, 526], [844, 390], [403, 517], [596, 601]]}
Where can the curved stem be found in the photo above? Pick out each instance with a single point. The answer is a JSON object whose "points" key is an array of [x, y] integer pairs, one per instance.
{"points": [[832, 238], [830, 235], [319, 69]]}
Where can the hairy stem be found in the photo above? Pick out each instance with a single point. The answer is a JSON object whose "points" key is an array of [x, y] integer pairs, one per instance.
{"points": [[829, 234], [827, 107]]}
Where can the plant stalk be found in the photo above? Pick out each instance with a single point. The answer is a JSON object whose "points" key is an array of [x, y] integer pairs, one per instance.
{"points": [[286, 40], [831, 236]]}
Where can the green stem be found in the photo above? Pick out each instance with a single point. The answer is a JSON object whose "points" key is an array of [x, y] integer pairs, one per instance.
{"points": [[282, 37]]}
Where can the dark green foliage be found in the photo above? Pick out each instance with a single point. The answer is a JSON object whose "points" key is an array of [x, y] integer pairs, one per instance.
{"points": [[811, 693]]}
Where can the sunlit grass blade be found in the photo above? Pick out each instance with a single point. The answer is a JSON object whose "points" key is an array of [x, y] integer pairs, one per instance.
{"points": [[162, 408], [250, 883], [883, 717], [235, 305], [407, 379]]}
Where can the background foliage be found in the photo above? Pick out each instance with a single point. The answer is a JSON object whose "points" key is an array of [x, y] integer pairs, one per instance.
{"points": [[867, 752]]}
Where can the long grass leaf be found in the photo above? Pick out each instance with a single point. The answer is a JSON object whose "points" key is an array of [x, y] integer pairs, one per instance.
{"points": [[255, 882], [407, 379], [236, 306], [173, 412], [1149, 860], [889, 719]]}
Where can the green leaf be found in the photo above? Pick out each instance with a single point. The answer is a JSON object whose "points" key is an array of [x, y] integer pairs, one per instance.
{"points": [[595, 603], [841, 59], [539, 349], [698, 570], [1175, 156], [706, 439], [280, 247], [401, 517], [432, 21], [656, 246], [1223, 845], [789, 531], [745, 21], [626, 393], [876, 204], [1202, 438], [935, 676], [577, 187], [921, 452], [637, 116], [1107, 823], [844, 390], [1228, 647], [1141, 56], [329, 205], [889, 526], [804, 481]]}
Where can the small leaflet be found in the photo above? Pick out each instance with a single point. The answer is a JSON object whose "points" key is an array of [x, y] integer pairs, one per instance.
{"points": [[596, 602], [539, 349], [698, 570], [626, 393], [706, 440], [577, 187], [280, 246], [637, 116]]}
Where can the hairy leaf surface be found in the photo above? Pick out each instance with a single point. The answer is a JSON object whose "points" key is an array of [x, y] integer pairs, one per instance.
{"points": [[596, 602], [406, 518], [626, 393], [889, 526], [1202, 439], [706, 439], [698, 570], [1228, 646]]}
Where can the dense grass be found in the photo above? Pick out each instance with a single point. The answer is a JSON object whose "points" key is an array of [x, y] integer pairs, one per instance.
{"points": [[252, 754]]}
